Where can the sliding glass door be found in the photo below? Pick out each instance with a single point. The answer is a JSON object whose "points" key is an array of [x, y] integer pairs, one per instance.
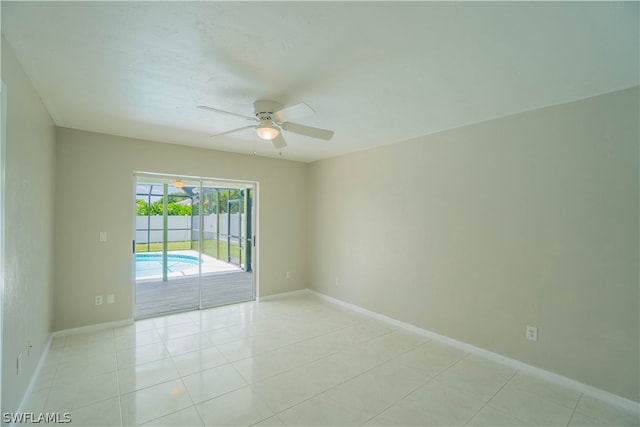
{"points": [[167, 257], [227, 232], [191, 244]]}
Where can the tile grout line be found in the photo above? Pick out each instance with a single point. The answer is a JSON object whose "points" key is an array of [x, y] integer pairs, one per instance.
{"points": [[395, 402], [429, 379], [173, 412], [155, 329], [88, 403], [306, 363], [181, 377], [46, 400], [330, 388], [118, 378], [272, 416], [359, 375], [193, 404], [492, 396], [575, 409], [195, 407]]}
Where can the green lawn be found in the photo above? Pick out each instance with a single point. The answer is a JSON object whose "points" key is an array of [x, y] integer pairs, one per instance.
{"points": [[210, 248]]}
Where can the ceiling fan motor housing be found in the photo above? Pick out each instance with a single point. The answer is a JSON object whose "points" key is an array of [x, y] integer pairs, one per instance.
{"points": [[264, 109]]}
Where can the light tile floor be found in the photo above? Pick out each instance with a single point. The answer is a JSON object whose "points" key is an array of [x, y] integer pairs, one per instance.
{"points": [[296, 360]]}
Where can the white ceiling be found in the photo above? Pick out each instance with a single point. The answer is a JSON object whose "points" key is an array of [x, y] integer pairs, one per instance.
{"points": [[374, 72]]}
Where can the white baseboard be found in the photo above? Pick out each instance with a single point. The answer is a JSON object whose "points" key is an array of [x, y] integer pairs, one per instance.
{"points": [[282, 295], [521, 366], [92, 328]]}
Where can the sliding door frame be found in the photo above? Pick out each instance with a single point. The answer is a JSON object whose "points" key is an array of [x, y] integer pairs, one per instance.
{"points": [[252, 216]]}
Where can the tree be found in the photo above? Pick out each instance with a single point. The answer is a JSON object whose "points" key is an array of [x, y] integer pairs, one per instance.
{"points": [[142, 207], [174, 207], [210, 203]]}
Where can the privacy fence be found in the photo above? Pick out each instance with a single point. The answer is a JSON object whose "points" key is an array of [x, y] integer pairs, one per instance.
{"points": [[185, 227]]}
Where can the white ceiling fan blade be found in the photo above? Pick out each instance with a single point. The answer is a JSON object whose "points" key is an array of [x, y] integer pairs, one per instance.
{"points": [[308, 131], [229, 113], [293, 112], [233, 130], [278, 142]]}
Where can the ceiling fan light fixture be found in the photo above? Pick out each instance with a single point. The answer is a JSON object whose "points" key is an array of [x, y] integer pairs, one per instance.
{"points": [[266, 130]]}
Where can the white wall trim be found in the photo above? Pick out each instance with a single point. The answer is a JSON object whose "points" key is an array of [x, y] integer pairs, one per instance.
{"points": [[283, 295], [92, 328], [547, 375]]}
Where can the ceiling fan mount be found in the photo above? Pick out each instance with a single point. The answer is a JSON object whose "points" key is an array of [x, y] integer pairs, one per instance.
{"points": [[272, 118], [266, 109]]}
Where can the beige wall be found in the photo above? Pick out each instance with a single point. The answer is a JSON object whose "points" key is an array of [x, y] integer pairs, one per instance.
{"points": [[94, 192], [28, 274], [476, 232]]}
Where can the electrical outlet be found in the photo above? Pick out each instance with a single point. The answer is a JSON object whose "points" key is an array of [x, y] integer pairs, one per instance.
{"points": [[337, 281], [103, 236], [288, 275], [29, 347], [531, 333], [111, 299], [98, 299]]}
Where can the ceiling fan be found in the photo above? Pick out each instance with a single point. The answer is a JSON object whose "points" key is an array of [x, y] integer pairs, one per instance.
{"points": [[272, 118]]}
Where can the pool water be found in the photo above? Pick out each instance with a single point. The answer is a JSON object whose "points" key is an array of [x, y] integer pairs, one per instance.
{"points": [[150, 264]]}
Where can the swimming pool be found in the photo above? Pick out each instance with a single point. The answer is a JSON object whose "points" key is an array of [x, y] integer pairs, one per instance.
{"points": [[150, 264]]}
